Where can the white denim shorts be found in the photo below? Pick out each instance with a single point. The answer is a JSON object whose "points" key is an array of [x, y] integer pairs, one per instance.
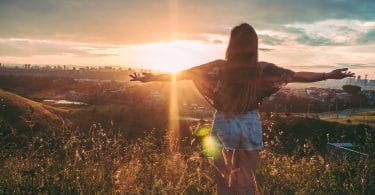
{"points": [[243, 132]]}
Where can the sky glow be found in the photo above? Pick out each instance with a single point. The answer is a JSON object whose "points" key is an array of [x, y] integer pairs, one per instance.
{"points": [[174, 35]]}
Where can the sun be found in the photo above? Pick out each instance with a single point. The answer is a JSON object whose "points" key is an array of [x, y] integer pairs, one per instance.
{"points": [[172, 56]]}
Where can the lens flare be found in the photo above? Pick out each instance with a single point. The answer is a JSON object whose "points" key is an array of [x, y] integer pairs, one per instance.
{"points": [[211, 146], [174, 124], [202, 131]]}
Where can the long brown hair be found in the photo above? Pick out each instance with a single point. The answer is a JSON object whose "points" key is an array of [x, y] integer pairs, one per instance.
{"points": [[239, 81], [243, 45]]}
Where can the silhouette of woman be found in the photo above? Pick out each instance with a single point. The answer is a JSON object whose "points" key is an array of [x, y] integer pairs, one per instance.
{"points": [[235, 87]]}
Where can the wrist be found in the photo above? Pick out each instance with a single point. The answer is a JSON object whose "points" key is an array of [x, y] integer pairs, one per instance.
{"points": [[327, 75]]}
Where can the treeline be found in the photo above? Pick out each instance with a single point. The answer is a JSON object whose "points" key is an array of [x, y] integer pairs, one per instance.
{"points": [[283, 103]]}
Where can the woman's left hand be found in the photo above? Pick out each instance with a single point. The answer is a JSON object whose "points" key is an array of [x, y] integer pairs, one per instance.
{"points": [[340, 74], [143, 78]]}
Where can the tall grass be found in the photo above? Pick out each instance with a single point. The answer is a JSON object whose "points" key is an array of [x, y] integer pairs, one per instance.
{"points": [[100, 160]]}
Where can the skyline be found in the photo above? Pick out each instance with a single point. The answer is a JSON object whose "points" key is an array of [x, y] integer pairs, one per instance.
{"points": [[300, 35]]}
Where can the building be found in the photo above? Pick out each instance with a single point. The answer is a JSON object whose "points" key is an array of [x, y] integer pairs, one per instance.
{"points": [[370, 96]]}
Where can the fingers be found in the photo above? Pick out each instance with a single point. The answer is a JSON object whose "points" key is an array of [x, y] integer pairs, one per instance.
{"points": [[349, 74], [139, 77], [346, 73], [134, 77], [342, 69], [342, 73]]}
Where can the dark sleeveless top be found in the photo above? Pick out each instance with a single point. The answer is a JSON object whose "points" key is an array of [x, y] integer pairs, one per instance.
{"points": [[238, 90]]}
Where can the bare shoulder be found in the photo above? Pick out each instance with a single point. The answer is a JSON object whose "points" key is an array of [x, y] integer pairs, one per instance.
{"points": [[209, 65], [218, 62], [265, 65], [272, 69]]}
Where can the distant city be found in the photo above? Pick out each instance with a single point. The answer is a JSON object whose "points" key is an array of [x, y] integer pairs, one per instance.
{"points": [[115, 73], [51, 70], [61, 67], [364, 83]]}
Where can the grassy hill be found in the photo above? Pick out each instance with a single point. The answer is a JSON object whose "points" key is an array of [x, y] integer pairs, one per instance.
{"points": [[356, 118], [19, 115], [39, 156]]}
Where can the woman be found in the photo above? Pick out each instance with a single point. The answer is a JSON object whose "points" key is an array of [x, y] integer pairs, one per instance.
{"points": [[235, 87]]}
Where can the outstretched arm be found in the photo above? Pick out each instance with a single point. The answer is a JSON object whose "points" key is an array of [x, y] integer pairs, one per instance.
{"points": [[314, 77], [189, 74]]}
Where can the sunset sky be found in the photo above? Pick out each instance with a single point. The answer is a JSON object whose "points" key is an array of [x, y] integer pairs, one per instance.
{"points": [[308, 35]]}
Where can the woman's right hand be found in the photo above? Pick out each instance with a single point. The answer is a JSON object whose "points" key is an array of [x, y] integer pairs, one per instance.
{"points": [[340, 74], [144, 77]]}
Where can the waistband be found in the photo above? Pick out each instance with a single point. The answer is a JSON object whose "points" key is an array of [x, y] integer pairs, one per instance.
{"points": [[251, 113]]}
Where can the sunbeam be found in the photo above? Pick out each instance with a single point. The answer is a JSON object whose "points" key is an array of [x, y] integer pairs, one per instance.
{"points": [[174, 125]]}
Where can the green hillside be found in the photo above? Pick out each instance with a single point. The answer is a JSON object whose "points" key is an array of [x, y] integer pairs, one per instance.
{"points": [[356, 118], [18, 115]]}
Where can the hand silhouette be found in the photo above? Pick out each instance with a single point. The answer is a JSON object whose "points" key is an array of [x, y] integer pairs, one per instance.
{"points": [[144, 77], [340, 74]]}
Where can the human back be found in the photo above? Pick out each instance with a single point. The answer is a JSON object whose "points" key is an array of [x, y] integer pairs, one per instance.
{"points": [[234, 89], [232, 85]]}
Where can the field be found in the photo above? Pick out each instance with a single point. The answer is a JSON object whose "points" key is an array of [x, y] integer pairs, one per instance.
{"points": [[102, 162], [43, 152], [357, 118]]}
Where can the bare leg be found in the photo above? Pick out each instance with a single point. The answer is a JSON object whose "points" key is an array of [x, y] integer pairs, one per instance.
{"points": [[247, 161], [223, 165]]}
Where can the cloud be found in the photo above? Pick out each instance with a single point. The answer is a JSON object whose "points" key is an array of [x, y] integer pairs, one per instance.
{"points": [[314, 66], [292, 29], [266, 49], [335, 66], [303, 36], [331, 32], [355, 65], [368, 37], [133, 22], [315, 41], [217, 41], [27, 48], [206, 38], [270, 40], [291, 11]]}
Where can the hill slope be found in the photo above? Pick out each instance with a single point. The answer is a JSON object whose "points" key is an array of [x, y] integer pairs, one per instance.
{"points": [[19, 114]]}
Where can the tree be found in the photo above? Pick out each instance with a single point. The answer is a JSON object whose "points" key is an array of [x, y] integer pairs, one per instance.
{"points": [[352, 89]]}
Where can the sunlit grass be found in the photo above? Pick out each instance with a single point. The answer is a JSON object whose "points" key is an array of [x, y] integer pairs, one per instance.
{"points": [[105, 161], [101, 162], [357, 118]]}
